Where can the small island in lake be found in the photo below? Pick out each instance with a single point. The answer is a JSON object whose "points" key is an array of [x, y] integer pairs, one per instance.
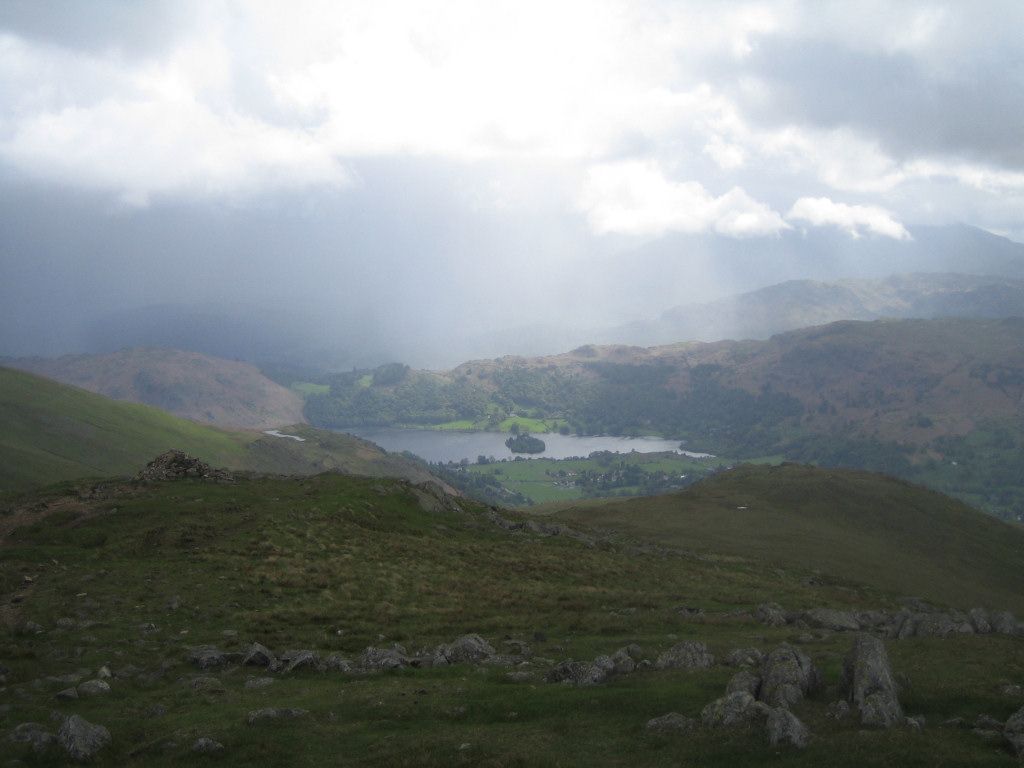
{"points": [[525, 443]]}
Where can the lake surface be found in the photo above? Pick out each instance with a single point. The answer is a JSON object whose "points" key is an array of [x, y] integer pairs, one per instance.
{"points": [[436, 445]]}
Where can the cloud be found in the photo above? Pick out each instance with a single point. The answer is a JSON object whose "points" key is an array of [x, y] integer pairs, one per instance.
{"points": [[854, 219], [635, 198]]}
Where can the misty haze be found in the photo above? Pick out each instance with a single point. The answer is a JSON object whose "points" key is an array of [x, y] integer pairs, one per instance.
{"points": [[606, 383]]}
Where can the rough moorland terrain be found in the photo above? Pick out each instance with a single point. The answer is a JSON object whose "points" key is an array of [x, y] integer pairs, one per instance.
{"points": [[191, 614]]}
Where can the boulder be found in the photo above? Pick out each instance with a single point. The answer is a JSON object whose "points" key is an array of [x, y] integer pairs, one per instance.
{"points": [[260, 656], [205, 746], [207, 685], [207, 657], [33, 734], [688, 654], [468, 648], [1004, 623], [300, 659], [783, 727], [787, 675], [625, 659], [744, 657], [869, 683], [670, 724], [829, 618], [1013, 732], [68, 694], [82, 739], [93, 688], [744, 680], [581, 673], [338, 663], [734, 710], [377, 659], [979, 620], [934, 625], [258, 682], [771, 614]]}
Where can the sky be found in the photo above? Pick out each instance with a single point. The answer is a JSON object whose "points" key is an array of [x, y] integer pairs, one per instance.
{"points": [[363, 171]]}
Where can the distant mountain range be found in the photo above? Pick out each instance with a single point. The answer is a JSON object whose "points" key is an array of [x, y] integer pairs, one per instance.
{"points": [[804, 303]]}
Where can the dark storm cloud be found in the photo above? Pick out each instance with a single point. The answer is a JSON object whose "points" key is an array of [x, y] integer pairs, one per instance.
{"points": [[975, 111]]}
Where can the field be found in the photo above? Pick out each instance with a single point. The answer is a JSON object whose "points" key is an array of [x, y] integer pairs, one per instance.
{"points": [[336, 564]]}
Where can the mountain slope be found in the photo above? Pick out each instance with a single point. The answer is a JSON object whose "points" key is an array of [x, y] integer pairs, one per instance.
{"points": [[851, 526], [227, 393], [169, 584], [51, 432]]}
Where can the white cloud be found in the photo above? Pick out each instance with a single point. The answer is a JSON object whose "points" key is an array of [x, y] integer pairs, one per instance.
{"points": [[854, 219], [635, 198]]}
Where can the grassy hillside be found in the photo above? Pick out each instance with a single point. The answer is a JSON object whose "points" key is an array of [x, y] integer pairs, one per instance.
{"points": [[211, 390], [851, 526], [135, 579], [51, 432]]}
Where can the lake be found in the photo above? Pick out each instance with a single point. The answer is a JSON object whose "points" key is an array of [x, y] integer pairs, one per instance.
{"points": [[436, 445]]}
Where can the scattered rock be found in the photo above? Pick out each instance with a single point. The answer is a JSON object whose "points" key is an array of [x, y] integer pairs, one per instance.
{"points": [[625, 659], [103, 673], [1012, 690], [688, 654], [581, 673], [784, 728], [771, 614], [260, 656], [671, 723], [34, 734], [829, 618], [468, 648], [338, 663], [744, 657], [690, 613], [787, 675], [258, 682], [734, 710], [1013, 732], [82, 739], [744, 680], [207, 657], [869, 682], [65, 623], [93, 688], [384, 658], [274, 713], [300, 659], [979, 620], [68, 694], [916, 723], [1004, 623], [205, 746], [519, 676], [988, 723]]}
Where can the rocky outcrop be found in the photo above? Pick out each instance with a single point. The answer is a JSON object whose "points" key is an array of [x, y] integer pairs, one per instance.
{"points": [[580, 673], [783, 727], [468, 648], [176, 465], [688, 654], [829, 618], [260, 656], [382, 659], [1013, 732], [81, 739], [207, 657], [787, 675], [733, 710], [258, 716], [771, 614], [33, 734], [869, 683]]}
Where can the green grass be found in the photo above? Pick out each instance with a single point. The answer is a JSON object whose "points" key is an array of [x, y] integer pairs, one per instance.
{"points": [[307, 388], [51, 432], [338, 563], [527, 424], [854, 525]]}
